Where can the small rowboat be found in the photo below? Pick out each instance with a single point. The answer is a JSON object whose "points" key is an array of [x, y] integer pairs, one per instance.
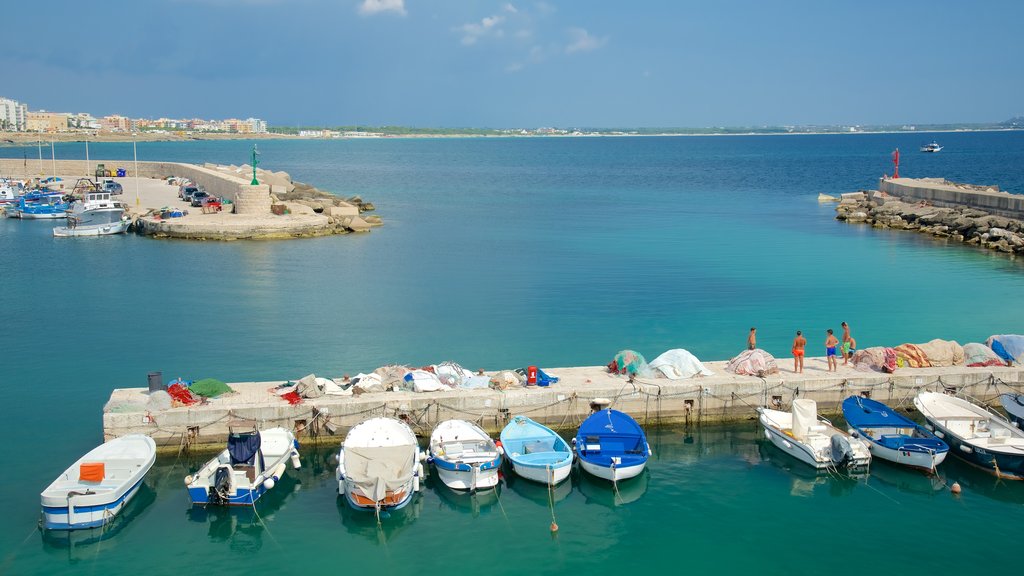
{"points": [[611, 445], [892, 436], [465, 457], [536, 452]]}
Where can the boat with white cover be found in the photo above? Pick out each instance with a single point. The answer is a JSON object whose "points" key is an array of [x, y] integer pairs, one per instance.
{"points": [[978, 436], [253, 463], [536, 452], [611, 445], [465, 457], [98, 485], [380, 465], [812, 440], [891, 436]]}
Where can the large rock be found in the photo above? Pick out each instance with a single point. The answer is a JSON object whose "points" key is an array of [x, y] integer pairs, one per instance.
{"points": [[341, 211], [357, 224]]}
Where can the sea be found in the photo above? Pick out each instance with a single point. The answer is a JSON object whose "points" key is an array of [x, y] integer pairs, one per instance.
{"points": [[501, 253]]}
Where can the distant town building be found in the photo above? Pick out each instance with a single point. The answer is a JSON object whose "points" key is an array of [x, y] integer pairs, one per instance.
{"points": [[83, 121], [13, 115], [43, 121], [257, 126], [117, 123]]}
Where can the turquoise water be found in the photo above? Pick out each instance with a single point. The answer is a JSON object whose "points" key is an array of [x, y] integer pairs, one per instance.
{"points": [[501, 253]]}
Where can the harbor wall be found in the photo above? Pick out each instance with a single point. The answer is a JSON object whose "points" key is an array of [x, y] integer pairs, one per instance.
{"points": [[940, 192], [721, 398]]}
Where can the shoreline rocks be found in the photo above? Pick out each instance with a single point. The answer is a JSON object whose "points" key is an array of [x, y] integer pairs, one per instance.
{"points": [[959, 224]]}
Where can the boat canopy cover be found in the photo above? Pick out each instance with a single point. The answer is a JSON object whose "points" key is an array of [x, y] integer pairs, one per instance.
{"points": [[678, 363], [863, 412], [605, 422], [376, 470], [244, 447], [805, 415]]}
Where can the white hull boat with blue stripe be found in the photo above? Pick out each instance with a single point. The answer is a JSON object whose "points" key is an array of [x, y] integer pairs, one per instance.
{"points": [[97, 487], [465, 457], [612, 445], [536, 452], [252, 464], [813, 441]]}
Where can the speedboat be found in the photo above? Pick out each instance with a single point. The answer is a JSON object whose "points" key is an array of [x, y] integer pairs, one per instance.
{"points": [[379, 465], [978, 436], [253, 463], [465, 457], [97, 487], [94, 215], [611, 445], [892, 436], [933, 147], [536, 452], [812, 440]]}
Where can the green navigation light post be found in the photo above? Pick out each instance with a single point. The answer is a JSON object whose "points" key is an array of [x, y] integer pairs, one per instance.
{"points": [[255, 153]]}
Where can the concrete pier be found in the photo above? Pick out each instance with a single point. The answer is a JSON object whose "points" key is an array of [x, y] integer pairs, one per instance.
{"points": [[720, 398], [943, 193]]}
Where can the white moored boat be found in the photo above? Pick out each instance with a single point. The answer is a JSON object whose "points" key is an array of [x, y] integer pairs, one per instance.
{"points": [[811, 440], [465, 457], [97, 487], [379, 465], [252, 464]]}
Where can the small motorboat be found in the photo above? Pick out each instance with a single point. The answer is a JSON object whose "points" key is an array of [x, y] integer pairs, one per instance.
{"points": [[932, 147], [40, 205], [380, 465], [254, 461], [980, 437], [536, 452], [97, 487], [611, 445], [92, 230], [1014, 406], [465, 457], [892, 436], [812, 440]]}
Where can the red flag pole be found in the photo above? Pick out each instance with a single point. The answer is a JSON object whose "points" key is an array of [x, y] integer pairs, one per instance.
{"points": [[896, 163]]}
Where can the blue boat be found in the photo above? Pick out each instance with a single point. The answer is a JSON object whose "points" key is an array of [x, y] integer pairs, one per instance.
{"points": [[612, 445], [980, 437], [892, 436], [252, 464], [40, 205], [536, 452]]}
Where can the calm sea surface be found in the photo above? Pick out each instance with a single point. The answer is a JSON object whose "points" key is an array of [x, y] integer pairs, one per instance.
{"points": [[498, 253]]}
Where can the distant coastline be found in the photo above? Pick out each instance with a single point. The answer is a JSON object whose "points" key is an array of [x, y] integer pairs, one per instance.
{"points": [[30, 138]]}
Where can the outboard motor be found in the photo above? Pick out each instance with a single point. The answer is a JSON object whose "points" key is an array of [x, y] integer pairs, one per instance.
{"points": [[842, 452], [220, 492]]}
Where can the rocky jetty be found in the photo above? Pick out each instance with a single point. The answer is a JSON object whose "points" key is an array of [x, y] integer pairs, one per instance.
{"points": [[958, 223]]}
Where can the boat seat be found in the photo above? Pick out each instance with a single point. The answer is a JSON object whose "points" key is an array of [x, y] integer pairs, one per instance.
{"points": [[247, 469]]}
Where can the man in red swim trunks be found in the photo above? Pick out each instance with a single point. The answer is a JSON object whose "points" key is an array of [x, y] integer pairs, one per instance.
{"points": [[798, 352]]}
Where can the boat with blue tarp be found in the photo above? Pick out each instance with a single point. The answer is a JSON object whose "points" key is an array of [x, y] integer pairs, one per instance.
{"points": [[892, 436], [612, 445], [536, 452]]}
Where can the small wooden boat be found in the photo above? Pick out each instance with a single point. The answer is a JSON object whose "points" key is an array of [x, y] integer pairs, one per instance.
{"points": [[812, 440], [465, 457], [611, 445], [379, 465], [980, 437], [892, 436], [536, 452], [253, 463], [97, 487]]}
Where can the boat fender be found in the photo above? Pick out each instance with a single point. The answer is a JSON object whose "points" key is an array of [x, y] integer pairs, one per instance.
{"points": [[416, 483], [787, 444], [768, 435], [966, 448], [501, 449], [188, 480], [296, 463], [269, 483]]}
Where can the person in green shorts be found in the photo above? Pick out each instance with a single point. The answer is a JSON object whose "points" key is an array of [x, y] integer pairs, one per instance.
{"points": [[847, 343]]}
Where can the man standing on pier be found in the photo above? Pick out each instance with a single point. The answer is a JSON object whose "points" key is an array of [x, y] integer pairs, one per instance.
{"points": [[752, 339], [830, 350], [847, 343], [798, 352]]}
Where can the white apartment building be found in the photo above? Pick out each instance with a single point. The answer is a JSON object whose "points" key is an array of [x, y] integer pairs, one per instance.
{"points": [[12, 115]]}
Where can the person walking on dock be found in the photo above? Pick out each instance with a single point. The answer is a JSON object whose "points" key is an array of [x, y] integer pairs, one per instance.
{"points": [[752, 339], [830, 350], [847, 343], [798, 352]]}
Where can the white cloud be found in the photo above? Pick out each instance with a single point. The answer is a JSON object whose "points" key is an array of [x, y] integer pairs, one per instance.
{"points": [[474, 31], [370, 7], [583, 41], [508, 7]]}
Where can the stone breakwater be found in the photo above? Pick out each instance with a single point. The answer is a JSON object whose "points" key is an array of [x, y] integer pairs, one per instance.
{"points": [[958, 220]]}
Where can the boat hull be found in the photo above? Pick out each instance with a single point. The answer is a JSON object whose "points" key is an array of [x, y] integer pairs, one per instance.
{"points": [[616, 474], [461, 479], [92, 515], [40, 215], [1009, 466], [544, 474], [94, 230], [914, 459]]}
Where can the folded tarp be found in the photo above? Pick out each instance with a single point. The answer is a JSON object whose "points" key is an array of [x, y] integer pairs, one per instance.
{"points": [[678, 363], [943, 352], [977, 355], [309, 387], [1013, 345], [876, 358], [755, 362], [210, 388], [423, 381]]}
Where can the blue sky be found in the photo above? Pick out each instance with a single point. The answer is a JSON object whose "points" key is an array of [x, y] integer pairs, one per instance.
{"points": [[521, 63]]}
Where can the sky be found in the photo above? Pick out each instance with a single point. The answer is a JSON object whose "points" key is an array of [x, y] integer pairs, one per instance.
{"points": [[518, 63]]}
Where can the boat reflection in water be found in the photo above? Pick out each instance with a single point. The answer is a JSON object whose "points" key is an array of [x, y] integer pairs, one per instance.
{"points": [[804, 478], [242, 527], [84, 544], [475, 503], [908, 480], [536, 492], [602, 492], [391, 524]]}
